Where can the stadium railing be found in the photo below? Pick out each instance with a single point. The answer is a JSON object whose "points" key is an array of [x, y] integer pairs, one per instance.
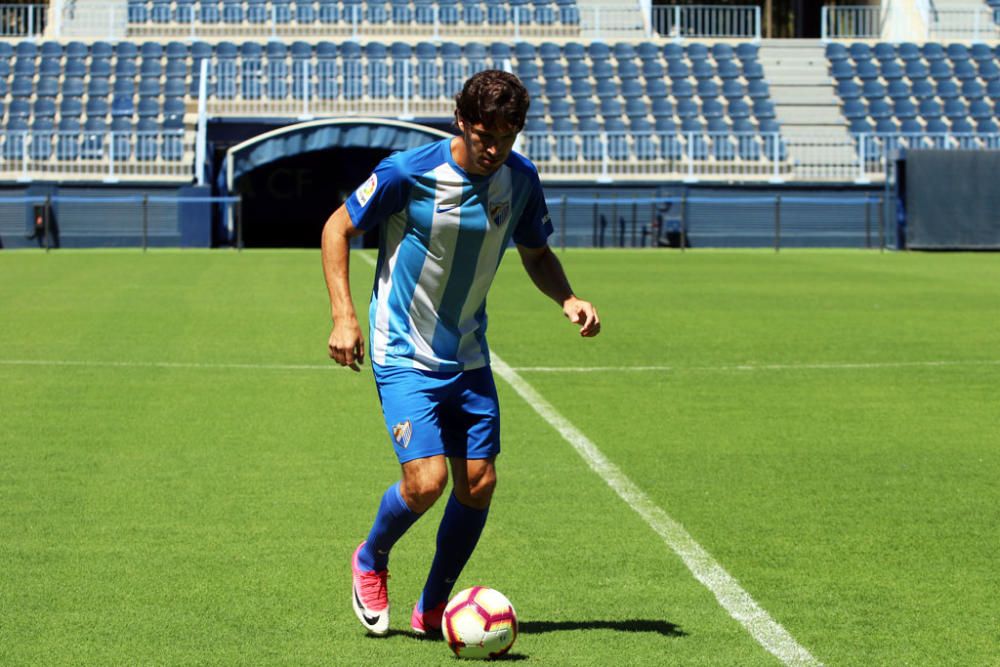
{"points": [[106, 156], [604, 21], [973, 22], [851, 22], [22, 20], [700, 21]]}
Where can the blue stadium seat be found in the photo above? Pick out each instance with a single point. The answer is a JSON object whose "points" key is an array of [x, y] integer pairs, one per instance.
{"points": [[932, 51], [150, 87], [70, 107], [946, 89], [50, 66], [209, 12], [22, 87], [376, 13], [472, 13], [173, 111], [873, 89], [930, 108], [68, 143], [611, 107], [656, 88], [617, 138], [47, 87], [883, 52], [277, 71], [184, 11], [329, 12], [941, 69], [955, 108], [648, 51], [642, 137], [763, 109], [836, 51], [904, 109], [232, 11], [860, 51], [682, 88], [584, 108], [880, 108], [923, 88], [686, 108], [909, 51], [148, 108], [19, 108], [160, 12], [866, 70], [121, 139], [137, 12], [891, 70], [898, 88], [842, 70], [854, 109], [636, 107], [981, 110], [305, 12], [559, 108], [122, 106], [564, 133], [759, 89], [98, 87], [590, 140], [95, 130], [738, 109], [42, 131], [707, 88], [44, 107], [973, 89], [987, 126], [712, 108], [751, 70], [125, 67], [671, 147], [663, 107]]}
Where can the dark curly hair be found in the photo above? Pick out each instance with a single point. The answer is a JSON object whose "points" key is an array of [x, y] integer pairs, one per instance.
{"points": [[494, 98]]}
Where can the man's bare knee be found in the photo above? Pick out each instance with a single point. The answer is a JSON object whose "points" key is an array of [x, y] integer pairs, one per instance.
{"points": [[477, 489], [423, 482]]}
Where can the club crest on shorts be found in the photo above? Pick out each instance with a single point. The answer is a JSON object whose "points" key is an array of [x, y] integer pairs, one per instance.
{"points": [[401, 433], [499, 213]]}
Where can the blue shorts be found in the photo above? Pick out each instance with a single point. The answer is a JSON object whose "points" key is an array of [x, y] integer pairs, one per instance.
{"points": [[429, 413]]}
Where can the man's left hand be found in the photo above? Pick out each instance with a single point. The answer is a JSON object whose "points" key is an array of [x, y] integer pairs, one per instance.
{"points": [[583, 313]]}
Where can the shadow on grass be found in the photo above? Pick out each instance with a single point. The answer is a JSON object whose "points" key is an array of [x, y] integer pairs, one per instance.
{"points": [[665, 628]]}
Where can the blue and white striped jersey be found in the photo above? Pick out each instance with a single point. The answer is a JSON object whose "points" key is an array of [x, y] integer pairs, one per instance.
{"points": [[443, 234]]}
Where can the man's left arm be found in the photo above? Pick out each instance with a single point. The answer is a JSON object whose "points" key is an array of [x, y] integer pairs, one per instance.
{"points": [[547, 273]]}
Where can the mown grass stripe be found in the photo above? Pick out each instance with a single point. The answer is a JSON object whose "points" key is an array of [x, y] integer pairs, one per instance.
{"points": [[733, 598]]}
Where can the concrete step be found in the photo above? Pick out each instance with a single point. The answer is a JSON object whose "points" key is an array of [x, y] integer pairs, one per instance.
{"points": [[808, 114], [791, 79], [796, 95]]}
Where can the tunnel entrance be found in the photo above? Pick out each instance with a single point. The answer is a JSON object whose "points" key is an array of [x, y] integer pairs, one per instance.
{"points": [[287, 202], [291, 179]]}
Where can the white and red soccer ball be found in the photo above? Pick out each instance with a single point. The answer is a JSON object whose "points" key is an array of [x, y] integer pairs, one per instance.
{"points": [[479, 622]]}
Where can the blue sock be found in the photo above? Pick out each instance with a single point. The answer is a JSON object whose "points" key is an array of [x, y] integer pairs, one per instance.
{"points": [[457, 536], [394, 518]]}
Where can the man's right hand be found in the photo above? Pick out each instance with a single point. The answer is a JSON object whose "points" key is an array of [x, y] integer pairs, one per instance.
{"points": [[347, 346]]}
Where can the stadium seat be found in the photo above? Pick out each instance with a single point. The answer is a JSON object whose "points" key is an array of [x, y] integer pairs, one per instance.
{"points": [[68, 142]]}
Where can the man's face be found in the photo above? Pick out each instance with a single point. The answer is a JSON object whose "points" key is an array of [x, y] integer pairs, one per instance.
{"points": [[487, 147]]}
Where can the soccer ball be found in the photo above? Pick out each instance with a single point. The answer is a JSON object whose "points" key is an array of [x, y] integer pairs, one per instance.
{"points": [[479, 623]]}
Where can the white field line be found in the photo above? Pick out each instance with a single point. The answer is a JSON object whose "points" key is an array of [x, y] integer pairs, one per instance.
{"points": [[771, 635], [847, 365], [167, 364]]}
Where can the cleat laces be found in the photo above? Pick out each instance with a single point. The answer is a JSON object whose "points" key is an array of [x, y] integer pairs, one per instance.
{"points": [[373, 589]]}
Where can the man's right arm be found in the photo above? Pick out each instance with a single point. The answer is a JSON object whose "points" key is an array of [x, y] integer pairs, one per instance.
{"points": [[346, 345]]}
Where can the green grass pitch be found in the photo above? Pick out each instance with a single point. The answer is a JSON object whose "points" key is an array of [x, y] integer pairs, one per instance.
{"points": [[183, 476]]}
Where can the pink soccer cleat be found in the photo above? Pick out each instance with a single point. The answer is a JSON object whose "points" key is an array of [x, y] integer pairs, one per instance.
{"points": [[370, 598], [427, 622]]}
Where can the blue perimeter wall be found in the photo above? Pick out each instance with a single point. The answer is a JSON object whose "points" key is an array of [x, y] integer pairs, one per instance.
{"points": [[712, 215], [114, 221]]}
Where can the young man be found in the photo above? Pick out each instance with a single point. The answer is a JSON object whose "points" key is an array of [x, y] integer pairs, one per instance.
{"points": [[447, 211]]}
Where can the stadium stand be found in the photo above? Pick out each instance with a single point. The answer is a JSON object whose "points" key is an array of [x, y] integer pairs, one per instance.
{"points": [[593, 103], [333, 18], [911, 95]]}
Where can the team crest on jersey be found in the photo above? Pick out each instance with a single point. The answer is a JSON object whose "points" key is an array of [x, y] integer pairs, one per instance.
{"points": [[401, 433], [499, 213], [367, 189]]}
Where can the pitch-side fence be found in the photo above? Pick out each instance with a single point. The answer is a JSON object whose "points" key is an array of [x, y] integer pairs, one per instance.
{"points": [[779, 220], [702, 220], [105, 221]]}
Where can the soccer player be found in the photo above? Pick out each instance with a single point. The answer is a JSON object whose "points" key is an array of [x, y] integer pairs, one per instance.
{"points": [[446, 212]]}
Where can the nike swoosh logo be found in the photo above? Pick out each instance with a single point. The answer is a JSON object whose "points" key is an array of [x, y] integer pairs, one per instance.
{"points": [[370, 620], [445, 209]]}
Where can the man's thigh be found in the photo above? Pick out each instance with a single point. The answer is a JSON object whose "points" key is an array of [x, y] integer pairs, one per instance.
{"points": [[411, 408], [470, 419]]}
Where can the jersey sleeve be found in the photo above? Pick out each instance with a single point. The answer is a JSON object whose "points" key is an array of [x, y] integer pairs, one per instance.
{"points": [[383, 194], [534, 227]]}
